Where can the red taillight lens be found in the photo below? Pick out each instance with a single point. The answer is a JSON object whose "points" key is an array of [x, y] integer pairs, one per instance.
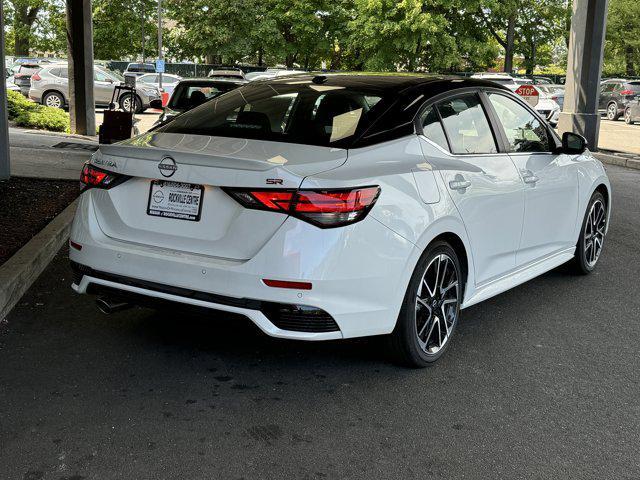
{"points": [[323, 208], [627, 92], [94, 177], [36, 77]]}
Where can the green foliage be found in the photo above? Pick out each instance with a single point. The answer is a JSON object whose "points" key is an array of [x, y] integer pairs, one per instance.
{"points": [[622, 47], [17, 104], [384, 35], [118, 28], [44, 118], [25, 113]]}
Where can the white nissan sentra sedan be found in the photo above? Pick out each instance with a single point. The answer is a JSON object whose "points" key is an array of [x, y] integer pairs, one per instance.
{"points": [[338, 206]]}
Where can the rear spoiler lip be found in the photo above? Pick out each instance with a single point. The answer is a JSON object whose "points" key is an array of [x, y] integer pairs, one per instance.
{"points": [[255, 155]]}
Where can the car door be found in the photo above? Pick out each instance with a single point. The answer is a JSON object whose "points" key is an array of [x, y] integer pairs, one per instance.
{"points": [[551, 180], [483, 183], [102, 87], [606, 90]]}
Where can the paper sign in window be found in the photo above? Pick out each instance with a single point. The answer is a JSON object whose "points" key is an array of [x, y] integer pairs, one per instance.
{"points": [[344, 125]]}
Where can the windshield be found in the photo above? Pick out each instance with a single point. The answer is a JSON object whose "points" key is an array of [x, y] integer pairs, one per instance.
{"points": [[293, 112], [634, 86]]}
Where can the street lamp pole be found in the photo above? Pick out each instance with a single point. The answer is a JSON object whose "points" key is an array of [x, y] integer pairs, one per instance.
{"points": [[160, 56], [5, 170], [142, 25]]}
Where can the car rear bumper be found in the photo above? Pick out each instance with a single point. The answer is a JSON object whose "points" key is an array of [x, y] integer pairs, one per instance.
{"points": [[358, 274]]}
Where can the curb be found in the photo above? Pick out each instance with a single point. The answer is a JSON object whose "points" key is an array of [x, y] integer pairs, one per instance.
{"points": [[23, 268], [622, 160]]}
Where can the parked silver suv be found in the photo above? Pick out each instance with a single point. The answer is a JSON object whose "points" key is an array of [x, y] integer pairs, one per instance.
{"points": [[50, 86]]}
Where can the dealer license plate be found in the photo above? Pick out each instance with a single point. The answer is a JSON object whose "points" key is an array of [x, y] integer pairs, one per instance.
{"points": [[175, 200]]}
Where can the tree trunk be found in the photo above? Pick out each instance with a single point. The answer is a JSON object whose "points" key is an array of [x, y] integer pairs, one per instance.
{"points": [[23, 21], [628, 60], [530, 60], [260, 56], [510, 43]]}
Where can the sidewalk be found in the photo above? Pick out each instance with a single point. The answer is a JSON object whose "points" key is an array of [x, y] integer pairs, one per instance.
{"points": [[47, 155]]}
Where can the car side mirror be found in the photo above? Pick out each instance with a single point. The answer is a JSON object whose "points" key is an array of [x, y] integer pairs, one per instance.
{"points": [[573, 143], [156, 104]]}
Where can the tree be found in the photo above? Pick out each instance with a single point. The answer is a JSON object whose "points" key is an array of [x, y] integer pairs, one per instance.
{"points": [[120, 25], [622, 45], [540, 24], [417, 35], [500, 17]]}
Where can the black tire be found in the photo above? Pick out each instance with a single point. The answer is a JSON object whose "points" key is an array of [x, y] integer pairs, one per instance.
{"points": [[53, 99], [627, 117], [612, 111], [124, 100], [403, 344], [581, 264]]}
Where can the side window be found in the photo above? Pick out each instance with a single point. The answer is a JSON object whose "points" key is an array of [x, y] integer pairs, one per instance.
{"points": [[607, 87], [525, 132], [432, 128], [98, 76], [466, 125]]}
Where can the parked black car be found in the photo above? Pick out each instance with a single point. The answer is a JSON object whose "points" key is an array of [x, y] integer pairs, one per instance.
{"points": [[615, 95], [193, 92]]}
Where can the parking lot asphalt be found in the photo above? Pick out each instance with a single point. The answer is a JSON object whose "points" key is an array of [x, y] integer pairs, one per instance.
{"points": [[540, 382]]}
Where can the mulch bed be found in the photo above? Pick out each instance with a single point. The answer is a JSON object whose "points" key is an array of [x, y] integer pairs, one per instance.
{"points": [[27, 205]]}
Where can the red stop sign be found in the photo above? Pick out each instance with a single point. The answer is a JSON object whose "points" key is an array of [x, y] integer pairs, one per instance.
{"points": [[529, 93]]}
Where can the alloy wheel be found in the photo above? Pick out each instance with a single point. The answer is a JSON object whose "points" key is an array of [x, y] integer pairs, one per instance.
{"points": [[627, 116], [126, 104], [53, 101], [436, 305], [612, 111], [594, 233]]}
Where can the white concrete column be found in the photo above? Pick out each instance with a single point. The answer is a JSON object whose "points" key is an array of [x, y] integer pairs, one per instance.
{"points": [[80, 53], [584, 67]]}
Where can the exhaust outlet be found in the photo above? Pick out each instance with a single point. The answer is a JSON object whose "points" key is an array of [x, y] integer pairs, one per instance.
{"points": [[108, 306]]}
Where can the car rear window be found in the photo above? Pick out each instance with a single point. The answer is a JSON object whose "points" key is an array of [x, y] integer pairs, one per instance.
{"points": [[137, 67], [190, 95], [29, 69], [286, 111]]}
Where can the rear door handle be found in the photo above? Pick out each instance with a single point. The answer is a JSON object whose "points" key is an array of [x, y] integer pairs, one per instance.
{"points": [[459, 184]]}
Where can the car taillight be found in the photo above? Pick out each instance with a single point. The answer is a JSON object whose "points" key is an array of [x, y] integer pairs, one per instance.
{"points": [[94, 177], [323, 208], [36, 77], [627, 92]]}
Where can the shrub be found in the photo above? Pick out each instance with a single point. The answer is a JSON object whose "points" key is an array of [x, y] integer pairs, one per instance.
{"points": [[17, 104], [29, 114], [44, 118]]}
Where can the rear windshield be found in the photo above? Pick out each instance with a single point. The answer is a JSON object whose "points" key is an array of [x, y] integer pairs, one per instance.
{"points": [[634, 86], [137, 67], [190, 95], [29, 68], [288, 111]]}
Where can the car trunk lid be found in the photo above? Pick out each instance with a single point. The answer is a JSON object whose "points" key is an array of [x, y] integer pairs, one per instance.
{"points": [[224, 229]]}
